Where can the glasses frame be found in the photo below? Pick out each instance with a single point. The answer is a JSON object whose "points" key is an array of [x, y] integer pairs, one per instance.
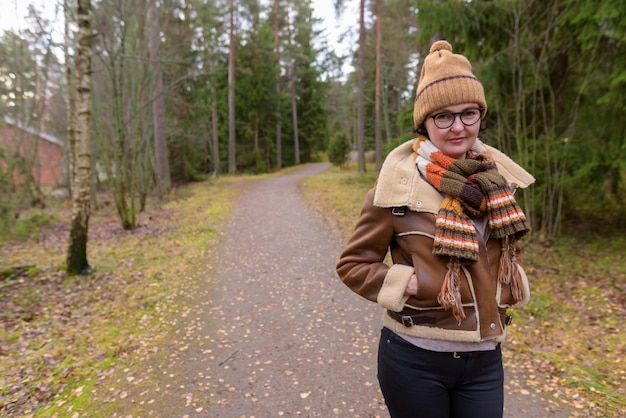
{"points": [[460, 115]]}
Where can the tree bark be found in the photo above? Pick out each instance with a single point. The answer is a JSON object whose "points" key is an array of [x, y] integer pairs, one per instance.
{"points": [[279, 139], [294, 104], [158, 104], [232, 160], [378, 128], [360, 140], [215, 141], [71, 103], [294, 114], [214, 121], [77, 250]]}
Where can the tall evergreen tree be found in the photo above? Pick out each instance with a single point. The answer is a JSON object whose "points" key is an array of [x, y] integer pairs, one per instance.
{"points": [[232, 158], [158, 99]]}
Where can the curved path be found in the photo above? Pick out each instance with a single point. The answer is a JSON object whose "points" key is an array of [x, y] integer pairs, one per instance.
{"points": [[278, 334]]}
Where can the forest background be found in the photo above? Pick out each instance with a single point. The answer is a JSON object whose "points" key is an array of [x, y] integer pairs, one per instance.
{"points": [[181, 91]]}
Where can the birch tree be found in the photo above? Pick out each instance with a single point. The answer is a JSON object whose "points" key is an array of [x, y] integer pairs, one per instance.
{"points": [[71, 95], [77, 249]]}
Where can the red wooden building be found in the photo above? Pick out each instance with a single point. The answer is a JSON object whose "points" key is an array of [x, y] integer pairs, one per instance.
{"points": [[48, 156]]}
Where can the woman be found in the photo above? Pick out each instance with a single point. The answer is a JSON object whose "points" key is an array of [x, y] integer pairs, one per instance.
{"points": [[443, 206]]}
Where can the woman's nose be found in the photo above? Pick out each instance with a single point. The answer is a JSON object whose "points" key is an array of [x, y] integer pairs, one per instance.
{"points": [[457, 125]]}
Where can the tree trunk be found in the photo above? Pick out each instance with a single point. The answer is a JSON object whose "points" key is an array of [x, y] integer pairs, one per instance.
{"points": [[378, 117], [294, 104], [294, 113], [158, 104], [77, 249], [279, 140], [232, 160], [215, 142], [614, 175], [255, 146], [214, 128], [360, 140], [71, 103]]}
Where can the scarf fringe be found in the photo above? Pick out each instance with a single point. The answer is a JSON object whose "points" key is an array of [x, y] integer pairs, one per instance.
{"points": [[509, 269], [450, 295]]}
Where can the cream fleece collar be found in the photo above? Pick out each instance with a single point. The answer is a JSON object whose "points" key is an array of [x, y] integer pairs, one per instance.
{"points": [[400, 184]]}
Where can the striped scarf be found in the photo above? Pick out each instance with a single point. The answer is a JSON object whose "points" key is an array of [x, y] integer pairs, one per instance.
{"points": [[473, 188]]}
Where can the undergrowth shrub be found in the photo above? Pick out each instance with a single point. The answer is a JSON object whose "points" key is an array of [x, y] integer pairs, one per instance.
{"points": [[31, 224]]}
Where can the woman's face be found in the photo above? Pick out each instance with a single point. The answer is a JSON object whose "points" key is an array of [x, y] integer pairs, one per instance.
{"points": [[455, 140]]}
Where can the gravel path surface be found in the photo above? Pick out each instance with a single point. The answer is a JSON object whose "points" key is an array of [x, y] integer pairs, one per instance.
{"points": [[294, 341], [278, 334]]}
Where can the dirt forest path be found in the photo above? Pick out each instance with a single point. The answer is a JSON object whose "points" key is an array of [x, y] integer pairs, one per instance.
{"points": [[278, 334]]}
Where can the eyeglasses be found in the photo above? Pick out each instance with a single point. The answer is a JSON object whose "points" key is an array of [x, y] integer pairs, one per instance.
{"points": [[469, 117]]}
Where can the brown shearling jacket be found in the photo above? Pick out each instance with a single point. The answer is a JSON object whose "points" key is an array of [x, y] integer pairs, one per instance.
{"points": [[399, 217]]}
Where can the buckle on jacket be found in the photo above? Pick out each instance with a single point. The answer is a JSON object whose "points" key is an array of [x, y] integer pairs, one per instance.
{"points": [[407, 321], [398, 211]]}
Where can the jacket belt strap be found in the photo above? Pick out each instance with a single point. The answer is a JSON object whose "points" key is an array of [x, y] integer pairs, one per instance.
{"points": [[410, 320]]}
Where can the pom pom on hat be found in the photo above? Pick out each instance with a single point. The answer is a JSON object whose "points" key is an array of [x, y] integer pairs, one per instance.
{"points": [[440, 45], [446, 79]]}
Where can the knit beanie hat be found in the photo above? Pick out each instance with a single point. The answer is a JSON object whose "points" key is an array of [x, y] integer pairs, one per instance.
{"points": [[446, 80]]}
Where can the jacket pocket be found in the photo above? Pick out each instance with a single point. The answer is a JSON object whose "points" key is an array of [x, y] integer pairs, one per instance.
{"points": [[430, 275]]}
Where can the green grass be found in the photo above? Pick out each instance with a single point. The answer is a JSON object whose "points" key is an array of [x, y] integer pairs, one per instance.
{"points": [[30, 224]]}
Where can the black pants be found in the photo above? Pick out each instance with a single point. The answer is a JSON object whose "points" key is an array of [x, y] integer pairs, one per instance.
{"points": [[418, 383]]}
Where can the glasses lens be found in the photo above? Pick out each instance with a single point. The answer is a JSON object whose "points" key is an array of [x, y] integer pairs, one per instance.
{"points": [[444, 120], [470, 116]]}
